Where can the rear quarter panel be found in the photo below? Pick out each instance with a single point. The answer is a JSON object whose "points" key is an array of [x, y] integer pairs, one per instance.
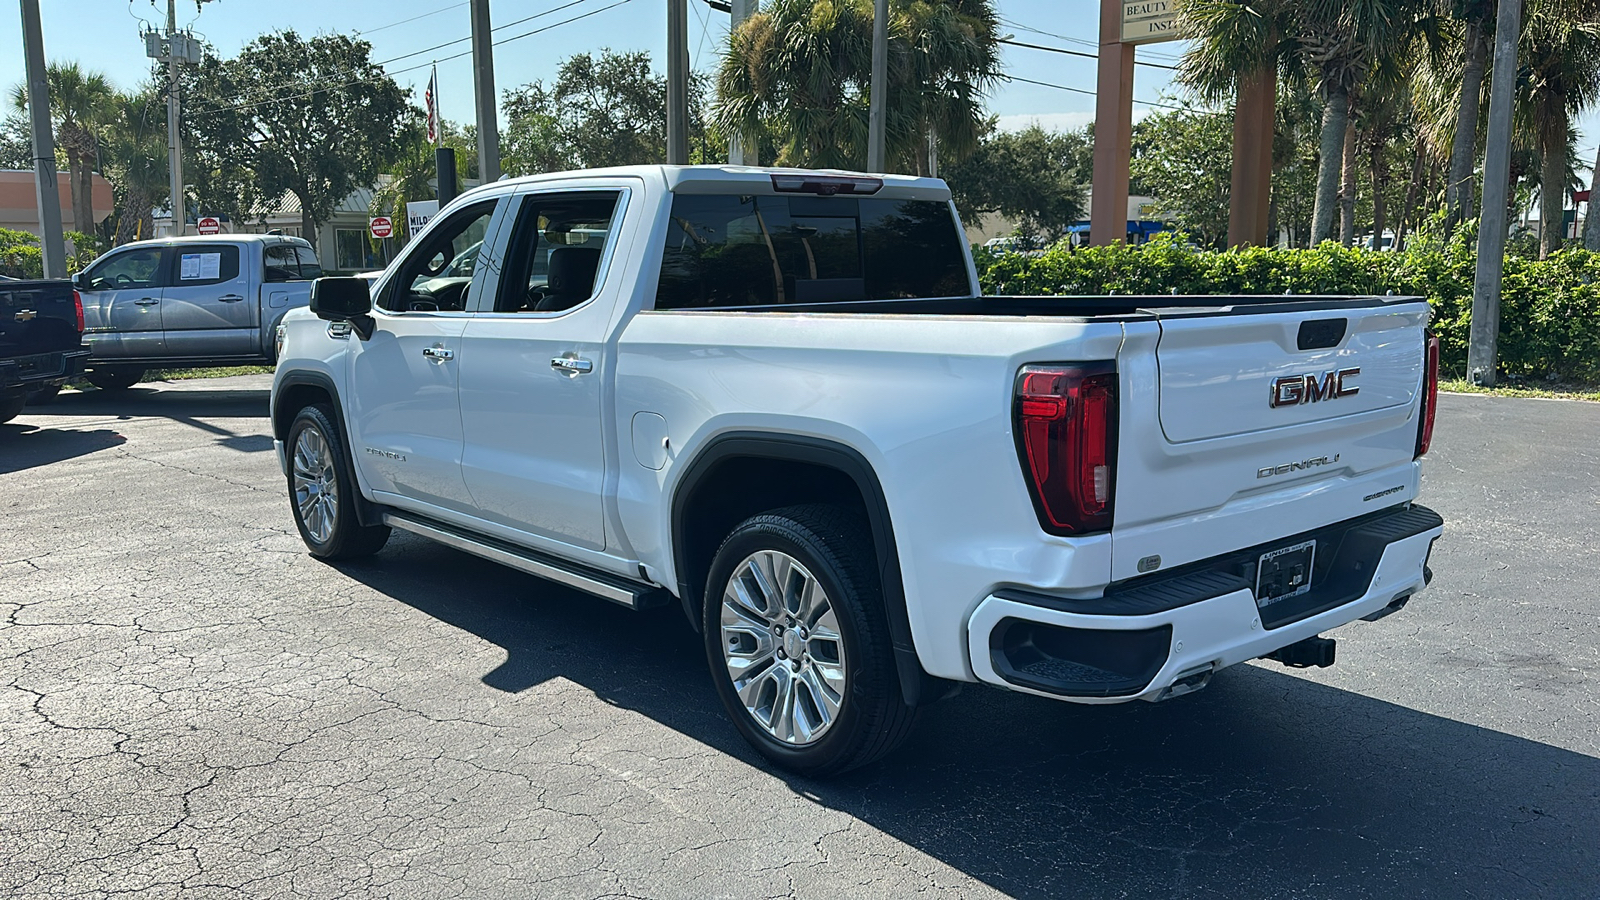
{"points": [[926, 400]]}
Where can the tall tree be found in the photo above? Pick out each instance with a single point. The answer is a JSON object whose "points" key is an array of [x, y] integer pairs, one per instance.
{"points": [[799, 73], [135, 155], [1478, 19], [603, 109], [316, 118], [1033, 176], [1183, 158], [81, 103], [1559, 55], [16, 142]]}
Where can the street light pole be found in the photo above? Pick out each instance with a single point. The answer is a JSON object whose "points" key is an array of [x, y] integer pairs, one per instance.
{"points": [[877, 114], [1496, 182], [47, 190], [483, 86], [677, 82]]}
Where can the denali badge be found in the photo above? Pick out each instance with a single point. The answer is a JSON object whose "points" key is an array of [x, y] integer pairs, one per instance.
{"points": [[1294, 390], [387, 454], [1286, 468]]}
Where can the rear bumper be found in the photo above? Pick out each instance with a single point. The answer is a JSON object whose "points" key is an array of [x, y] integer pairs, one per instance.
{"points": [[42, 369], [1138, 642]]}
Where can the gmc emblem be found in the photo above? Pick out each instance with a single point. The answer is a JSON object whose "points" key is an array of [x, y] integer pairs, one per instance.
{"points": [[1293, 390]]}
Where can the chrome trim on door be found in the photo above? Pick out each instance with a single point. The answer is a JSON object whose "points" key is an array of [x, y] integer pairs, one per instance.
{"points": [[571, 365], [438, 354]]}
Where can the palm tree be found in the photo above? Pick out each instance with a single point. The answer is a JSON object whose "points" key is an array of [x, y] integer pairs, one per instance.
{"points": [[81, 102], [410, 176], [1559, 56], [135, 155], [1478, 16], [800, 73]]}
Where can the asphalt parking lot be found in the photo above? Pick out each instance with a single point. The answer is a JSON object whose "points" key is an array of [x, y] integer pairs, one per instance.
{"points": [[191, 706]]}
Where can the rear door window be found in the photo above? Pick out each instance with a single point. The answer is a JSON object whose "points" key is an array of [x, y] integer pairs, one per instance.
{"points": [[740, 251]]}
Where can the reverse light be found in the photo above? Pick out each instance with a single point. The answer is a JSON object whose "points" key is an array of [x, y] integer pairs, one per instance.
{"points": [[77, 309], [1066, 424], [1430, 395]]}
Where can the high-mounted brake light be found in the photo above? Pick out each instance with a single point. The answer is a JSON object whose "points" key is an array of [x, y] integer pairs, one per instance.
{"points": [[1066, 422], [826, 185], [77, 308], [1430, 395]]}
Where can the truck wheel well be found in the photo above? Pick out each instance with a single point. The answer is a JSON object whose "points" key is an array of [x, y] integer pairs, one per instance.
{"points": [[294, 398], [734, 489]]}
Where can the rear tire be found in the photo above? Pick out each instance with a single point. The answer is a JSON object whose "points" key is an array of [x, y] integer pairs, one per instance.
{"points": [[11, 406], [116, 378], [323, 493], [798, 641]]}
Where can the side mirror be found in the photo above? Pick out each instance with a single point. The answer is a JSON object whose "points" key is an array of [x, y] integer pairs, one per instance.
{"points": [[78, 282], [339, 299]]}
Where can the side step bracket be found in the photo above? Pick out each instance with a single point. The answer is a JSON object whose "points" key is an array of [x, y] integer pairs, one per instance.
{"points": [[633, 595]]}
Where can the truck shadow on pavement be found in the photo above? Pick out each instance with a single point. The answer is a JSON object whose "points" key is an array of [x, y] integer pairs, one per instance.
{"points": [[1265, 784], [157, 403], [25, 446]]}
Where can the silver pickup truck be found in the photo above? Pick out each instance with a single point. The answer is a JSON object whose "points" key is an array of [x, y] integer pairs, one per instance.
{"points": [[190, 302]]}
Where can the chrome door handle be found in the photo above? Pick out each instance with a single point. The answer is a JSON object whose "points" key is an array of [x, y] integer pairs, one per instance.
{"points": [[230, 298], [146, 301], [571, 365], [438, 354]]}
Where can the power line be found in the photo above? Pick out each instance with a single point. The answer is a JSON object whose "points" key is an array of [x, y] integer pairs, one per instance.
{"points": [[1085, 55], [334, 85], [412, 19], [537, 15], [1062, 87], [1072, 40]]}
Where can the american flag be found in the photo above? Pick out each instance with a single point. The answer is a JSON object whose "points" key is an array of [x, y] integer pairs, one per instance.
{"points": [[430, 100]]}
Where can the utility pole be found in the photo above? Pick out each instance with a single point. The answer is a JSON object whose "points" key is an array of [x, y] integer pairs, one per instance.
{"points": [[737, 154], [677, 82], [877, 114], [175, 47], [47, 190], [483, 85], [1496, 182], [174, 147]]}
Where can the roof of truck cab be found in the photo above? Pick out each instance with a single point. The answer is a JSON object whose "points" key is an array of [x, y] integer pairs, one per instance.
{"points": [[217, 239], [750, 179]]}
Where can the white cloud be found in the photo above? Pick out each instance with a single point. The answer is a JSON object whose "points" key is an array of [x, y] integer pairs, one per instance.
{"points": [[1060, 121], [1057, 121]]}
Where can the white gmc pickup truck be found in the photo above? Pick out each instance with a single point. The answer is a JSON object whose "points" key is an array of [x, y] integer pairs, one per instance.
{"points": [[779, 399]]}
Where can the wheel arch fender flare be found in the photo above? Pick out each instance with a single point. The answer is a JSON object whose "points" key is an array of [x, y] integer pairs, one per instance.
{"points": [[823, 453]]}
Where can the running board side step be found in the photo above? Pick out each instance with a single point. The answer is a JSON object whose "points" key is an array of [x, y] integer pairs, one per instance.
{"points": [[633, 595]]}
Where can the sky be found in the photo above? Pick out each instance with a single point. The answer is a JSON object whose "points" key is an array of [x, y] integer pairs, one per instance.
{"points": [[103, 35]]}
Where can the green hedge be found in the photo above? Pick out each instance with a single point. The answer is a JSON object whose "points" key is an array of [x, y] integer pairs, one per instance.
{"points": [[1549, 314]]}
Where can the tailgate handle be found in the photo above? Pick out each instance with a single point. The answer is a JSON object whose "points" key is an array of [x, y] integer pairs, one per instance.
{"points": [[1320, 334]]}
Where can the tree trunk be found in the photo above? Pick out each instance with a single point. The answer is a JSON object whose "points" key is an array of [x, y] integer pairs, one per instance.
{"points": [[134, 206], [1335, 116], [1413, 195], [1379, 212], [1553, 180], [308, 225], [83, 198], [1347, 191], [1458, 190], [1591, 227]]}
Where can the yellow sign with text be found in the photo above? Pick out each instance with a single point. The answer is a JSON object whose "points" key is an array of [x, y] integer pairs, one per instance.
{"points": [[1149, 21]]}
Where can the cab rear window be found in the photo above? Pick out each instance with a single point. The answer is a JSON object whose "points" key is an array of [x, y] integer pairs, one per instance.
{"points": [[740, 251]]}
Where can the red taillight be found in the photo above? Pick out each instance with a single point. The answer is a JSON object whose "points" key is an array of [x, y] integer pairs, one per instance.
{"points": [[77, 308], [1430, 395], [1066, 420]]}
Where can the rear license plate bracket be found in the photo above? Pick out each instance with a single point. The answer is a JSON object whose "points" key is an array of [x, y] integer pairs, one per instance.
{"points": [[1284, 573]]}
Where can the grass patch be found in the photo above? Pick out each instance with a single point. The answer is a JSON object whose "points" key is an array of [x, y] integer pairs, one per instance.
{"points": [[222, 372], [1553, 392]]}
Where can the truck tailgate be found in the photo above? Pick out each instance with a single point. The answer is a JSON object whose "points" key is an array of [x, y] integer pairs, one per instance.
{"points": [[1240, 427]]}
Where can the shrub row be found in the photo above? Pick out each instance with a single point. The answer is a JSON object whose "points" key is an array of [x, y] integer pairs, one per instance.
{"points": [[1549, 314]]}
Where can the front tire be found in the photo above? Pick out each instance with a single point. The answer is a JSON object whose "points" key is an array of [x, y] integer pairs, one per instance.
{"points": [[323, 493], [798, 641], [118, 378]]}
